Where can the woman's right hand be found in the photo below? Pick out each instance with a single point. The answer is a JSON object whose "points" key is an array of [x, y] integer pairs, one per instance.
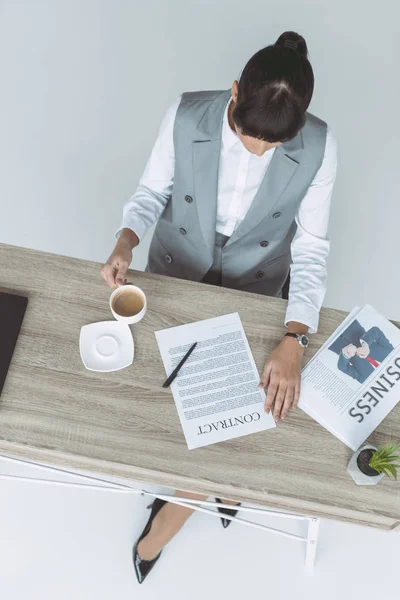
{"points": [[115, 269]]}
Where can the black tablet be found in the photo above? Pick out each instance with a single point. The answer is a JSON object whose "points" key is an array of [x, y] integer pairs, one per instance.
{"points": [[12, 310]]}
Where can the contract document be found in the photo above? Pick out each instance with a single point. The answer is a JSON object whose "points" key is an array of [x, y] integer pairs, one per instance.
{"points": [[216, 391]]}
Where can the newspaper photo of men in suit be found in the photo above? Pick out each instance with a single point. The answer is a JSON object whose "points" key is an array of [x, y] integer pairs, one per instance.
{"points": [[360, 352]]}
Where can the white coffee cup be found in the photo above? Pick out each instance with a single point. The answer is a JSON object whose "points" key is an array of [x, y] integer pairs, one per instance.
{"points": [[122, 303]]}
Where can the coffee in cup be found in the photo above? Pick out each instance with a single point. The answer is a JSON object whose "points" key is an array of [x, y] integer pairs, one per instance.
{"points": [[128, 304]]}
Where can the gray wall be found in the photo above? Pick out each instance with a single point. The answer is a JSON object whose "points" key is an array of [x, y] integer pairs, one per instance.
{"points": [[84, 84]]}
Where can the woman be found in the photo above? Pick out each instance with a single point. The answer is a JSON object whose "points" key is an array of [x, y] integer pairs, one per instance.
{"points": [[239, 184]]}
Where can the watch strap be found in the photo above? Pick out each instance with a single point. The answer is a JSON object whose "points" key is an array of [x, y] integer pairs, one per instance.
{"points": [[302, 339]]}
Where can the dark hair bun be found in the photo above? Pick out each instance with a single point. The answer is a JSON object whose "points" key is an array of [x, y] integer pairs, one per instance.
{"points": [[291, 39]]}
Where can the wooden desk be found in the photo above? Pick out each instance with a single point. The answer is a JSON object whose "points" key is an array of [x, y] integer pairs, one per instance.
{"points": [[124, 424]]}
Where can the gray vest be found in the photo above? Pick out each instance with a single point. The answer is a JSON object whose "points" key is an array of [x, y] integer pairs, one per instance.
{"points": [[256, 257]]}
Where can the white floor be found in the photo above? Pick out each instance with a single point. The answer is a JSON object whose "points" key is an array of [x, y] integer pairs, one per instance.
{"points": [[58, 543]]}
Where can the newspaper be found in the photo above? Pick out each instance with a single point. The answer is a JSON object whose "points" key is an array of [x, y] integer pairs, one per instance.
{"points": [[216, 392], [352, 383]]}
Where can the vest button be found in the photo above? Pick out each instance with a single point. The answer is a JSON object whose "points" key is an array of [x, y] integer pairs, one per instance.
{"points": [[277, 215], [264, 244], [183, 231], [189, 199], [260, 274], [168, 258]]}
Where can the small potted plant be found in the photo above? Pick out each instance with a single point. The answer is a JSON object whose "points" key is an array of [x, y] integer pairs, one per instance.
{"points": [[369, 464]]}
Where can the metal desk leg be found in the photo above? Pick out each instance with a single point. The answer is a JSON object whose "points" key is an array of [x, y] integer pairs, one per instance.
{"points": [[203, 506], [311, 544]]}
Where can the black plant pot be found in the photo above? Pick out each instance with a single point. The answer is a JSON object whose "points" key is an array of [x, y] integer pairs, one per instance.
{"points": [[359, 468], [363, 462]]}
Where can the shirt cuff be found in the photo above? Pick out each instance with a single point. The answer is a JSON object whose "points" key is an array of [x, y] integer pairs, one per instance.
{"points": [[136, 225], [301, 313]]}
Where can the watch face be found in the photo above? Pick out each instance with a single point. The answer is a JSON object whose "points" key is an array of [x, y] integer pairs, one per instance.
{"points": [[304, 341]]}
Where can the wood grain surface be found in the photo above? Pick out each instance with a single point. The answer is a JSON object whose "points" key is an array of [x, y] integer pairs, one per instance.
{"points": [[124, 424]]}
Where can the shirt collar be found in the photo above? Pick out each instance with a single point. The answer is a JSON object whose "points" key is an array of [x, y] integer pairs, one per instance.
{"points": [[229, 137]]}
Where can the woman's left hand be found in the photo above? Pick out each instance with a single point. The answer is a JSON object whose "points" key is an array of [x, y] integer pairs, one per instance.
{"points": [[281, 376]]}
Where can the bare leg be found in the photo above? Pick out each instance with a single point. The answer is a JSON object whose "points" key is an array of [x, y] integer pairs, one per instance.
{"points": [[165, 526], [233, 502]]}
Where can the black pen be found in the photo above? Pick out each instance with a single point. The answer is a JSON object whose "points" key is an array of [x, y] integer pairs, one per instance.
{"points": [[178, 367]]}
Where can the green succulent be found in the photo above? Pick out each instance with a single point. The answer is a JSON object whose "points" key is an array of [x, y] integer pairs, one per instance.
{"points": [[384, 459]]}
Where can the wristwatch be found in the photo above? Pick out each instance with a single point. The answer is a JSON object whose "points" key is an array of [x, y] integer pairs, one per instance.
{"points": [[303, 340]]}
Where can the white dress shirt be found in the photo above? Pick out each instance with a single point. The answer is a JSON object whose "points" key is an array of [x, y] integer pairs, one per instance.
{"points": [[240, 175]]}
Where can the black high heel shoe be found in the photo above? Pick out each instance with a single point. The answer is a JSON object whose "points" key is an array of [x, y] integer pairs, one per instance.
{"points": [[143, 567], [227, 511]]}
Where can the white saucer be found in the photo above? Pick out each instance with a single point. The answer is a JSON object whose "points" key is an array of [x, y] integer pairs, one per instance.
{"points": [[106, 346]]}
